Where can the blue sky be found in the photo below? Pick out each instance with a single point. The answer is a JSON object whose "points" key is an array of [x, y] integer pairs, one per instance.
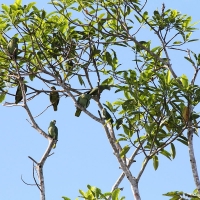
{"points": [[83, 154]]}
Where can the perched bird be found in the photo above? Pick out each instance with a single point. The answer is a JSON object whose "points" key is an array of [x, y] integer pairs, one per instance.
{"points": [[53, 131], [98, 90], [18, 95], [106, 115], [84, 101], [56, 44], [54, 98], [186, 113], [13, 48]]}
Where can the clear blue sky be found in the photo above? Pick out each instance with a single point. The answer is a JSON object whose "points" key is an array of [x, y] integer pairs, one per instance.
{"points": [[83, 155]]}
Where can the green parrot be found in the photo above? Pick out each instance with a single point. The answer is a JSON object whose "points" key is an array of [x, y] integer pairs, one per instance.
{"points": [[84, 101], [106, 115], [99, 89], [57, 44], [18, 95], [53, 131], [54, 98], [13, 48]]}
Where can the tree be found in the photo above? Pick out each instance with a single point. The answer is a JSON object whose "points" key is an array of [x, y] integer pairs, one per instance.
{"points": [[156, 107]]}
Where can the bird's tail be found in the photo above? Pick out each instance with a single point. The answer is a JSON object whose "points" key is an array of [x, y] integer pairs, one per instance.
{"points": [[55, 107], [78, 112]]}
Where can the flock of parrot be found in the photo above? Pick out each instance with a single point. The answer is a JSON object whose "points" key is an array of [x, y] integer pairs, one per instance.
{"points": [[83, 100]]}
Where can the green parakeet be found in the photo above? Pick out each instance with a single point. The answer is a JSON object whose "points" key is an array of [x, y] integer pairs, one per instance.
{"points": [[53, 131], [97, 90], [84, 101], [18, 95], [106, 115], [54, 98], [13, 48], [57, 44]]}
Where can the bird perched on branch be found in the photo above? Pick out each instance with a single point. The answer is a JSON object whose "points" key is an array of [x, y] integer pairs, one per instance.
{"points": [[53, 131], [56, 44], [106, 115], [98, 90], [84, 101], [54, 98], [18, 95], [13, 48]]}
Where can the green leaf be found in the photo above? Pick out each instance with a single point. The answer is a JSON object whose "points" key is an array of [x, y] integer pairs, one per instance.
{"points": [[109, 106], [2, 96], [168, 77], [119, 123], [194, 40], [115, 194], [31, 77], [173, 150], [95, 53], [190, 60], [91, 192], [139, 20], [126, 129], [145, 15], [5, 8], [165, 153], [124, 151], [119, 103], [177, 42], [155, 162], [174, 193], [43, 14], [18, 2], [3, 25], [56, 3], [82, 192], [29, 6], [183, 141], [187, 36], [81, 80], [97, 192], [108, 81], [101, 15], [174, 13], [184, 81], [127, 95], [66, 198]]}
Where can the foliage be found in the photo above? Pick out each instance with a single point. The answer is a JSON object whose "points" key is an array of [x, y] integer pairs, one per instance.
{"points": [[58, 49], [184, 196], [95, 193]]}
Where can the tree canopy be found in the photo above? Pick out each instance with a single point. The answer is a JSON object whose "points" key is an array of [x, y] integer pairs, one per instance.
{"points": [[74, 52]]}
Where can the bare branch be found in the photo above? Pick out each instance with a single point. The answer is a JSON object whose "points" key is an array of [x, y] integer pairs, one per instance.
{"points": [[131, 160], [191, 154], [27, 183]]}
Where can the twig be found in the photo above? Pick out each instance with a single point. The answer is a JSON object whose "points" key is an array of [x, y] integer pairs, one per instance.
{"points": [[42, 111], [35, 179], [131, 160], [27, 183]]}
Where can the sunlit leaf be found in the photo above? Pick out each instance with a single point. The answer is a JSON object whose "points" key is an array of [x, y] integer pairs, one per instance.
{"points": [[2, 96], [66, 198], [155, 162], [124, 151], [173, 150], [184, 81], [115, 194]]}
